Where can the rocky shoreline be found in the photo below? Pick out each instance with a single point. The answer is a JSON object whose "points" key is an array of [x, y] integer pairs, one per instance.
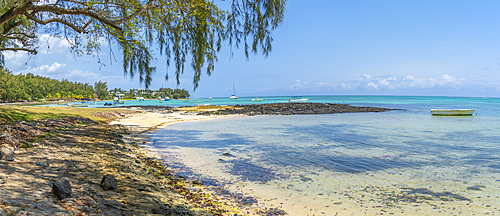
{"points": [[80, 155], [292, 109]]}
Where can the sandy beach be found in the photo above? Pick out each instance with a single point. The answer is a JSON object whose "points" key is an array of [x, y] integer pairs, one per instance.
{"points": [[83, 154]]}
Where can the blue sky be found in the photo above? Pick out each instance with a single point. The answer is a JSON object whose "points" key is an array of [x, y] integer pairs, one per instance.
{"points": [[325, 47]]}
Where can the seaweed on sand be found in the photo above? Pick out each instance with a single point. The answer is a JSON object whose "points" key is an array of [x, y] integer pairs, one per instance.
{"points": [[271, 212], [412, 195], [444, 196], [248, 171]]}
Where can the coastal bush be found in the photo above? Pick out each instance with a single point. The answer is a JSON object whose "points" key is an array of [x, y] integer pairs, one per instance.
{"points": [[29, 86], [176, 96]]}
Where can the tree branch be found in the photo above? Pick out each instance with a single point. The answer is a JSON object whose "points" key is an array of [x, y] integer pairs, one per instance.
{"points": [[14, 11], [53, 9], [18, 49], [64, 22], [12, 37], [136, 13], [21, 33]]}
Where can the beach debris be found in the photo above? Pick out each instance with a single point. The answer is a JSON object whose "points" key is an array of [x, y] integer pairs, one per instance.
{"points": [[38, 164], [476, 187], [247, 171], [337, 203], [227, 154], [4, 134], [198, 182], [271, 212], [304, 179], [108, 182], [7, 153], [61, 188]]}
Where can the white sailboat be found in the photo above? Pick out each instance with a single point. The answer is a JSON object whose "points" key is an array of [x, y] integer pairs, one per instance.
{"points": [[234, 95]]}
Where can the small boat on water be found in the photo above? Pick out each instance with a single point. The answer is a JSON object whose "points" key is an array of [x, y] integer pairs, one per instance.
{"points": [[83, 104], [203, 104], [118, 101], [298, 99], [234, 95], [139, 99], [167, 99], [257, 99], [160, 99], [452, 112]]}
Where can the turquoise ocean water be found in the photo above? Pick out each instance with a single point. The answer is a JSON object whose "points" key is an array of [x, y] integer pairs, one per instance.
{"points": [[400, 162]]}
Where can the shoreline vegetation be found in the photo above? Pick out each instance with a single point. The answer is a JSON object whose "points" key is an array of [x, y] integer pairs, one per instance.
{"points": [[83, 145], [37, 88]]}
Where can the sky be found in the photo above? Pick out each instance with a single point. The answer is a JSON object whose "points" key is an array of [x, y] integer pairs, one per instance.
{"points": [[329, 47]]}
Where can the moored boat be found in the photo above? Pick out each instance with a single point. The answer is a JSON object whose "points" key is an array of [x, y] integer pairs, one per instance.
{"points": [[117, 100], [234, 95], [83, 104], [452, 112], [298, 99], [257, 99]]}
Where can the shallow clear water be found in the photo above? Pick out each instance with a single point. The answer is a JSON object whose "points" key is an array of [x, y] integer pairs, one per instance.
{"points": [[397, 162]]}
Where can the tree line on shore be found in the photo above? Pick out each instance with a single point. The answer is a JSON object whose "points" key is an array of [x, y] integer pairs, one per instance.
{"points": [[30, 87]]}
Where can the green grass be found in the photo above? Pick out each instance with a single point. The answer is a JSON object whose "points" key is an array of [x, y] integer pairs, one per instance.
{"points": [[9, 114]]}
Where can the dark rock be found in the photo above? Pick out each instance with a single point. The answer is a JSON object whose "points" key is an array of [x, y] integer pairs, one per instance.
{"points": [[7, 153], [108, 182], [198, 182], [61, 188], [293, 108], [227, 154]]}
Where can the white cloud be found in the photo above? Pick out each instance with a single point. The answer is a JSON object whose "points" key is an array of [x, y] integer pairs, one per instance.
{"points": [[349, 86], [44, 70], [298, 85], [448, 79], [409, 77], [372, 85], [59, 71], [17, 60], [323, 84]]}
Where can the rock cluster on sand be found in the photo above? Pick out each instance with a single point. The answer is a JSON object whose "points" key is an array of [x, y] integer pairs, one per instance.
{"points": [[76, 159], [7, 153], [61, 188], [108, 182], [292, 108]]}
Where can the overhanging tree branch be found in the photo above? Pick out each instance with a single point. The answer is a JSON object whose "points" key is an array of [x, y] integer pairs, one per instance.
{"points": [[18, 49], [85, 12], [58, 20]]}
